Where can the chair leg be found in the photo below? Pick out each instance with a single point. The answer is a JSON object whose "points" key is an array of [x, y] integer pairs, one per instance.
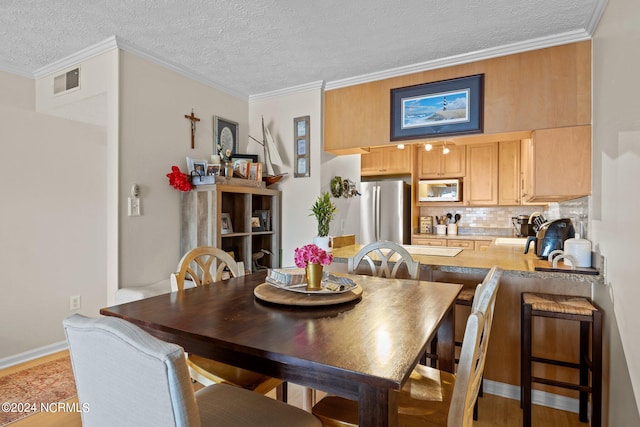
{"points": [[282, 392], [526, 365]]}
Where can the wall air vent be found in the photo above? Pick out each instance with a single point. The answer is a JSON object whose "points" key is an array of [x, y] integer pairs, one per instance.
{"points": [[67, 81]]}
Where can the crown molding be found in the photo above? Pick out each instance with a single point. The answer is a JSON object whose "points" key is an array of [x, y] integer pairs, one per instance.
{"points": [[135, 50], [115, 42], [597, 14], [76, 58], [533, 44], [319, 85]]}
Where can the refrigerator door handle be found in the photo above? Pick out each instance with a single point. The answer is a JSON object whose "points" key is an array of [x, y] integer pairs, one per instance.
{"points": [[377, 212]]}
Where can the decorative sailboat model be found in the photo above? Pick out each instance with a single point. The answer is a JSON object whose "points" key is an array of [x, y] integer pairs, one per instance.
{"points": [[271, 156]]}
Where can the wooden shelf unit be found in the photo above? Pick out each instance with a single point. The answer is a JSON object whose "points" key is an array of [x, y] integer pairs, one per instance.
{"points": [[201, 226]]}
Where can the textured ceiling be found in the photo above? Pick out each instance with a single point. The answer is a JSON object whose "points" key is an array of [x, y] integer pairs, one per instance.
{"points": [[257, 46]]}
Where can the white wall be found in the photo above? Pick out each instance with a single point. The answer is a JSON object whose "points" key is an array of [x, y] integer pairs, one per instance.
{"points": [[298, 194], [52, 221], [616, 199], [154, 135]]}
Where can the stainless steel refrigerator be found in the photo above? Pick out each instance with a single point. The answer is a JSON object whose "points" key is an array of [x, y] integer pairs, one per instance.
{"points": [[385, 212]]}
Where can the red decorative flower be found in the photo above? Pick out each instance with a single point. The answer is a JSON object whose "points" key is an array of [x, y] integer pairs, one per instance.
{"points": [[179, 180]]}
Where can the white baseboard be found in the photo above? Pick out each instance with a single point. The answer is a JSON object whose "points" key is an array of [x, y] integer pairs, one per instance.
{"points": [[541, 398], [32, 354]]}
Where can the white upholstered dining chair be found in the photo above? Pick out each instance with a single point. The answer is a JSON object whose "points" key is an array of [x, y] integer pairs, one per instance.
{"points": [[431, 397], [205, 265], [126, 377]]}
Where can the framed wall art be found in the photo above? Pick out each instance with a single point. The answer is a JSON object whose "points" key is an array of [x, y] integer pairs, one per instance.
{"points": [[448, 107], [225, 137], [302, 158]]}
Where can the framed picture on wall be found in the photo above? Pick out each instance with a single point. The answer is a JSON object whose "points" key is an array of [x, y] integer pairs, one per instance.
{"points": [[301, 147], [447, 107], [225, 137]]}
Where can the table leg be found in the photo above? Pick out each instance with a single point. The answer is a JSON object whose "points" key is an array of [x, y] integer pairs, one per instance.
{"points": [[377, 407], [446, 342]]}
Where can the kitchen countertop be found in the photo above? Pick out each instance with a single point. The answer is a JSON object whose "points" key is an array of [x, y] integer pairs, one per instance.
{"points": [[457, 236], [509, 258]]}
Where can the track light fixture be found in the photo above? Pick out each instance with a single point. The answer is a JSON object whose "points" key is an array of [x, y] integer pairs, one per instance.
{"points": [[428, 147]]}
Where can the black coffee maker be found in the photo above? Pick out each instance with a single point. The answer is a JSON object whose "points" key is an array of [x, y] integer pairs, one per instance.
{"points": [[551, 236]]}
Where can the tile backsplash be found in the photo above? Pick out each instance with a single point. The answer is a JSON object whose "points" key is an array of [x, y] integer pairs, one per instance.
{"points": [[499, 218]]}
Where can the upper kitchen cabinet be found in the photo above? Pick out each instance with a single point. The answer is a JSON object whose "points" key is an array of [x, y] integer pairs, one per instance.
{"points": [[556, 164], [509, 177], [481, 182], [386, 161], [435, 164], [539, 89]]}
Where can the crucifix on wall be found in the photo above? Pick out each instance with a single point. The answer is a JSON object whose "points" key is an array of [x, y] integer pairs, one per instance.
{"points": [[193, 120]]}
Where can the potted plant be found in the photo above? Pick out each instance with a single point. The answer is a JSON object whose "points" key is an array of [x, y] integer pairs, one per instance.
{"points": [[324, 211], [312, 258]]}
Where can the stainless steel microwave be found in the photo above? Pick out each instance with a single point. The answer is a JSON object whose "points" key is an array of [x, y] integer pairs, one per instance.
{"points": [[439, 190]]}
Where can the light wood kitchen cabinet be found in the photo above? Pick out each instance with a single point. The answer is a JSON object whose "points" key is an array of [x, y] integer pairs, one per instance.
{"points": [[428, 241], [481, 181], [386, 161], [434, 164], [556, 164], [509, 177], [481, 245], [459, 243]]}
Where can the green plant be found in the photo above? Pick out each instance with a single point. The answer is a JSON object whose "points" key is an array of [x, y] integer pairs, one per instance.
{"points": [[324, 211]]}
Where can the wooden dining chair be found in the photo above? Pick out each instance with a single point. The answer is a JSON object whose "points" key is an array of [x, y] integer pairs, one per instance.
{"points": [[205, 265], [126, 377], [431, 397], [376, 259]]}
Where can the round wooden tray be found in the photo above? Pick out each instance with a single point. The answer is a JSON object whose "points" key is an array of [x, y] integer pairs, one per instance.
{"points": [[268, 293]]}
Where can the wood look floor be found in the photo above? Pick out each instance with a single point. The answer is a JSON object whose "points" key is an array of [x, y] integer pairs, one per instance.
{"points": [[493, 411]]}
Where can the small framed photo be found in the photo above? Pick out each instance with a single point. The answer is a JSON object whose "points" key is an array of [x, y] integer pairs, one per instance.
{"points": [[301, 139], [254, 171], [213, 169], [226, 227], [225, 137], [265, 219], [191, 165], [240, 164], [255, 224], [200, 167]]}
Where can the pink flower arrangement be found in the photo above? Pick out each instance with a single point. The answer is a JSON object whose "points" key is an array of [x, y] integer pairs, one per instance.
{"points": [[179, 180], [311, 254]]}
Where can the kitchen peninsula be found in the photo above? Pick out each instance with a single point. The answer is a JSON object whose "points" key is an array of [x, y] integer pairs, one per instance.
{"points": [[468, 267]]}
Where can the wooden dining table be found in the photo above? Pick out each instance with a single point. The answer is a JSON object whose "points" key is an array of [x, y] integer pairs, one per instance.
{"points": [[364, 349]]}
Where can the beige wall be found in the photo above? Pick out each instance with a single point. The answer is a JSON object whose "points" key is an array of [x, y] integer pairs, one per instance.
{"points": [[616, 200], [154, 135], [52, 221], [16, 91]]}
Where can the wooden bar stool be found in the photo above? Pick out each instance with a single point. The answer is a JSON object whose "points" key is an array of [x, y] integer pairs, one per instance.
{"points": [[580, 309]]}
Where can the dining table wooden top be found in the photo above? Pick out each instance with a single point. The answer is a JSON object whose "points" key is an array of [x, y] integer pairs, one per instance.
{"points": [[363, 349]]}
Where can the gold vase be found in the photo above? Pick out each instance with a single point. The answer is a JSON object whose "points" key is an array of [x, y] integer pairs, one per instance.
{"points": [[314, 277]]}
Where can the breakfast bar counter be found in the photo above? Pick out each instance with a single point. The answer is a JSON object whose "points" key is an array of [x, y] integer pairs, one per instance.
{"points": [[468, 267], [509, 258]]}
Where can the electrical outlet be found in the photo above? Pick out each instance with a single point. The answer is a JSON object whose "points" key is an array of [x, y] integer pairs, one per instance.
{"points": [[134, 206], [74, 302]]}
